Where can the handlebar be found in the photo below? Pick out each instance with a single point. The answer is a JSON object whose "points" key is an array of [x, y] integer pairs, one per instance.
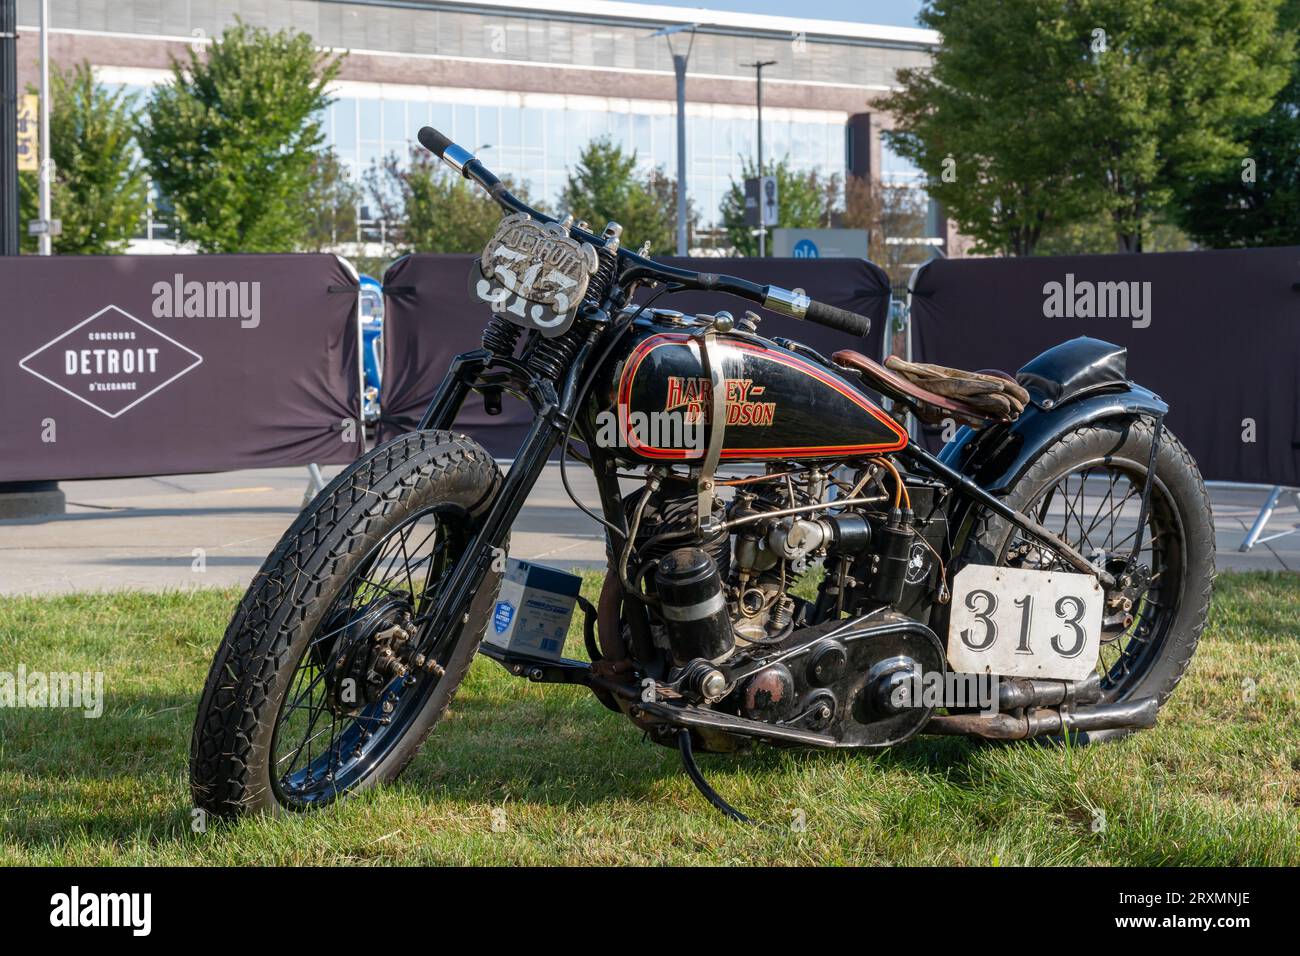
{"points": [[635, 267]]}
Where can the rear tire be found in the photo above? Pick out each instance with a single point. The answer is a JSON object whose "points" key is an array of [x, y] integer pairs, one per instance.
{"points": [[333, 545], [1181, 519]]}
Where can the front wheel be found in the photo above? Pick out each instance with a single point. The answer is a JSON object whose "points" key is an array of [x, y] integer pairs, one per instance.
{"points": [[318, 688], [1087, 487]]}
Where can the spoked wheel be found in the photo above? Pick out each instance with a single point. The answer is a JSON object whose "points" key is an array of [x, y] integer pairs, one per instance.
{"points": [[327, 681], [360, 684], [1088, 489]]}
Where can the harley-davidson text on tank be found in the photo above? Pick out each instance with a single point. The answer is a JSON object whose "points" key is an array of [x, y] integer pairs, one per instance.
{"points": [[533, 275], [777, 404], [694, 397]]}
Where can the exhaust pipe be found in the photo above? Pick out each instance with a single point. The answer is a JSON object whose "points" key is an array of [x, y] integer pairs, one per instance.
{"points": [[1133, 715], [1017, 692]]}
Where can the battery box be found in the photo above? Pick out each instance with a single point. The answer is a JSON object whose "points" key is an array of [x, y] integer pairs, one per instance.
{"points": [[533, 609]]}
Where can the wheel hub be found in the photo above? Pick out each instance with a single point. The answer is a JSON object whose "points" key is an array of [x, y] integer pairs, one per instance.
{"points": [[1123, 600], [368, 654]]}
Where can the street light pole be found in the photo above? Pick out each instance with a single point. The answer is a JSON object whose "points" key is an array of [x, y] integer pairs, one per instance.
{"points": [[9, 127], [679, 68], [46, 165], [762, 227]]}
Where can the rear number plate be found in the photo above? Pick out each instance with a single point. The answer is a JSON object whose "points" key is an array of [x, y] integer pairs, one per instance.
{"points": [[1020, 623]]}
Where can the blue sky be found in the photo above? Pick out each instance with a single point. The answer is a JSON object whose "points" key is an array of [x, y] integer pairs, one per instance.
{"points": [[897, 13]]}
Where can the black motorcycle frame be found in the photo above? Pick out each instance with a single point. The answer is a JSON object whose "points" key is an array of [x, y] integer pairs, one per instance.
{"points": [[965, 465]]}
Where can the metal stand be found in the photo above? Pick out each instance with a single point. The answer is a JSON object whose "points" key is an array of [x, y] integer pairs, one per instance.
{"points": [[1253, 536], [315, 484], [315, 480]]}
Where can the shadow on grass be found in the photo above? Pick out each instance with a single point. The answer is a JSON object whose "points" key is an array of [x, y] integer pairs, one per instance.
{"points": [[123, 777]]}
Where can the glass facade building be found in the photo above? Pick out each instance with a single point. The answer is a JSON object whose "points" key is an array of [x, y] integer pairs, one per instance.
{"points": [[536, 144], [588, 69], [532, 33]]}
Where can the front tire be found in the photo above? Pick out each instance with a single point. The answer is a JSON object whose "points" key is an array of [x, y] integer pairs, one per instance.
{"points": [[327, 629]]}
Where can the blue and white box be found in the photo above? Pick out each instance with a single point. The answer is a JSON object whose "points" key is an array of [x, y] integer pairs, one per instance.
{"points": [[533, 609]]}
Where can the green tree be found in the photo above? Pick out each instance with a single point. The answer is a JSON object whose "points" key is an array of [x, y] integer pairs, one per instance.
{"points": [[99, 185], [1041, 113], [605, 187], [888, 212], [1253, 198], [426, 207], [232, 137], [331, 204], [1096, 236], [805, 200], [981, 123]]}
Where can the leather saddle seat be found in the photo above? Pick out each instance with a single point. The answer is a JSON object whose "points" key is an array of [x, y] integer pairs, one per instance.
{"points": [[928, 405]]}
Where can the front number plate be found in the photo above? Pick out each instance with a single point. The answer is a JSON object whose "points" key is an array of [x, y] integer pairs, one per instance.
{"points": [[1019, 623]]}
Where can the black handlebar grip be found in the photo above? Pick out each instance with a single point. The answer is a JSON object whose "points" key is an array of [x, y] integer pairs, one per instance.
{"points": [[433, 141], [841, 319]]}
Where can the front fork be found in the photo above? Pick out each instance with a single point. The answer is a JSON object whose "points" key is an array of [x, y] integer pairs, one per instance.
{"points": [[550, 423], [452, 610]]}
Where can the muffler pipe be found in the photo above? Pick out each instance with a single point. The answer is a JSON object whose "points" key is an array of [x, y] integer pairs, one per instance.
{"points": [[1133, 715], [1138, 714], [1017, 692]]}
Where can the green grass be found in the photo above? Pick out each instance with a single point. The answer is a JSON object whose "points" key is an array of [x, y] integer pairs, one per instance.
{"points": [[526, 774]]}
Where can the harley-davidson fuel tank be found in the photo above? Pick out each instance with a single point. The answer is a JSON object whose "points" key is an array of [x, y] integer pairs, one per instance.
{"points": [[777, 404]]}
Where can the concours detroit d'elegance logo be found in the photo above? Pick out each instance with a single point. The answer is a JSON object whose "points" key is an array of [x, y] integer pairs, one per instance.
{"points": [[111, 361]]}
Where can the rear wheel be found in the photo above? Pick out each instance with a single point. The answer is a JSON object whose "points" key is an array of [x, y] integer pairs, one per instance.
{"points": [[1088, 489], [325, 682]]}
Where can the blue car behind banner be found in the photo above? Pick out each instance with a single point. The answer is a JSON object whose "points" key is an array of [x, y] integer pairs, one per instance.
{"points": [[372, 341]]}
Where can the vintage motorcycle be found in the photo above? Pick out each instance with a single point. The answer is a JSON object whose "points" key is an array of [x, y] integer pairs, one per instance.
{"points": [[1046, 575]]}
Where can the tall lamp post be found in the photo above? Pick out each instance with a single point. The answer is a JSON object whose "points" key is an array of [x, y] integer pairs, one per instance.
{"points": [[46, 168], [9, 127], [679, 68], [762, 226], [18, 499]]}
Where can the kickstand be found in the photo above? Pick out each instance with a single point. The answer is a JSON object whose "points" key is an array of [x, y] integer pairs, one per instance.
{"points": [[697, 778]]}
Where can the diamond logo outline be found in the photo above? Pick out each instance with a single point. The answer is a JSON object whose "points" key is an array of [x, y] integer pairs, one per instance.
{"points": [[22, 363]]}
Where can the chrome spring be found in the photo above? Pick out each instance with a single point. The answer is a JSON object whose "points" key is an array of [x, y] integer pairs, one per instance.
{"points": [[600, 282], [551, 358], [500, 336]]}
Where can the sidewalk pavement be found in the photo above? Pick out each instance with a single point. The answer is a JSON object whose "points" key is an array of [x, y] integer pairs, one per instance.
{"points": [[144, 533]]}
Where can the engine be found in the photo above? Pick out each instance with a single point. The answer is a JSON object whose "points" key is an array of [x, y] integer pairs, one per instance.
{"points": [[746, 618]]}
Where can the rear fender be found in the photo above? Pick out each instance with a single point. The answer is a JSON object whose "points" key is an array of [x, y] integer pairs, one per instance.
{"points": [[996, 457], [1076, 383]]}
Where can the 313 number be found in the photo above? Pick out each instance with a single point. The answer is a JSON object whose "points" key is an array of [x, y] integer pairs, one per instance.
{"points": [[984, 606]]}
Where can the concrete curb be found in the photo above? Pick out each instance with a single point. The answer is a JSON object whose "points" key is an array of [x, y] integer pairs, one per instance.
{"points": [[31, 499]]}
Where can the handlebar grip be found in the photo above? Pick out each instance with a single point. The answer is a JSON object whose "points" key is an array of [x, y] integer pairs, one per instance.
{"points": [[433, 141], [841, 319]]}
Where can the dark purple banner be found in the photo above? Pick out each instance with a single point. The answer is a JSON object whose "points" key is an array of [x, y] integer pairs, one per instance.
{"points": [[429, 318], [116, 366], [1216, 334]]}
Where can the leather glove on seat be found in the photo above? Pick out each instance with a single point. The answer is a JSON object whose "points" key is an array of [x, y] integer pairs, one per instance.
{"points": [[994, 395]]}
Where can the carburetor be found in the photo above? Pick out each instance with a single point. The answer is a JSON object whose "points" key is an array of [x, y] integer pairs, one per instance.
{"points": [[769, 550]]}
